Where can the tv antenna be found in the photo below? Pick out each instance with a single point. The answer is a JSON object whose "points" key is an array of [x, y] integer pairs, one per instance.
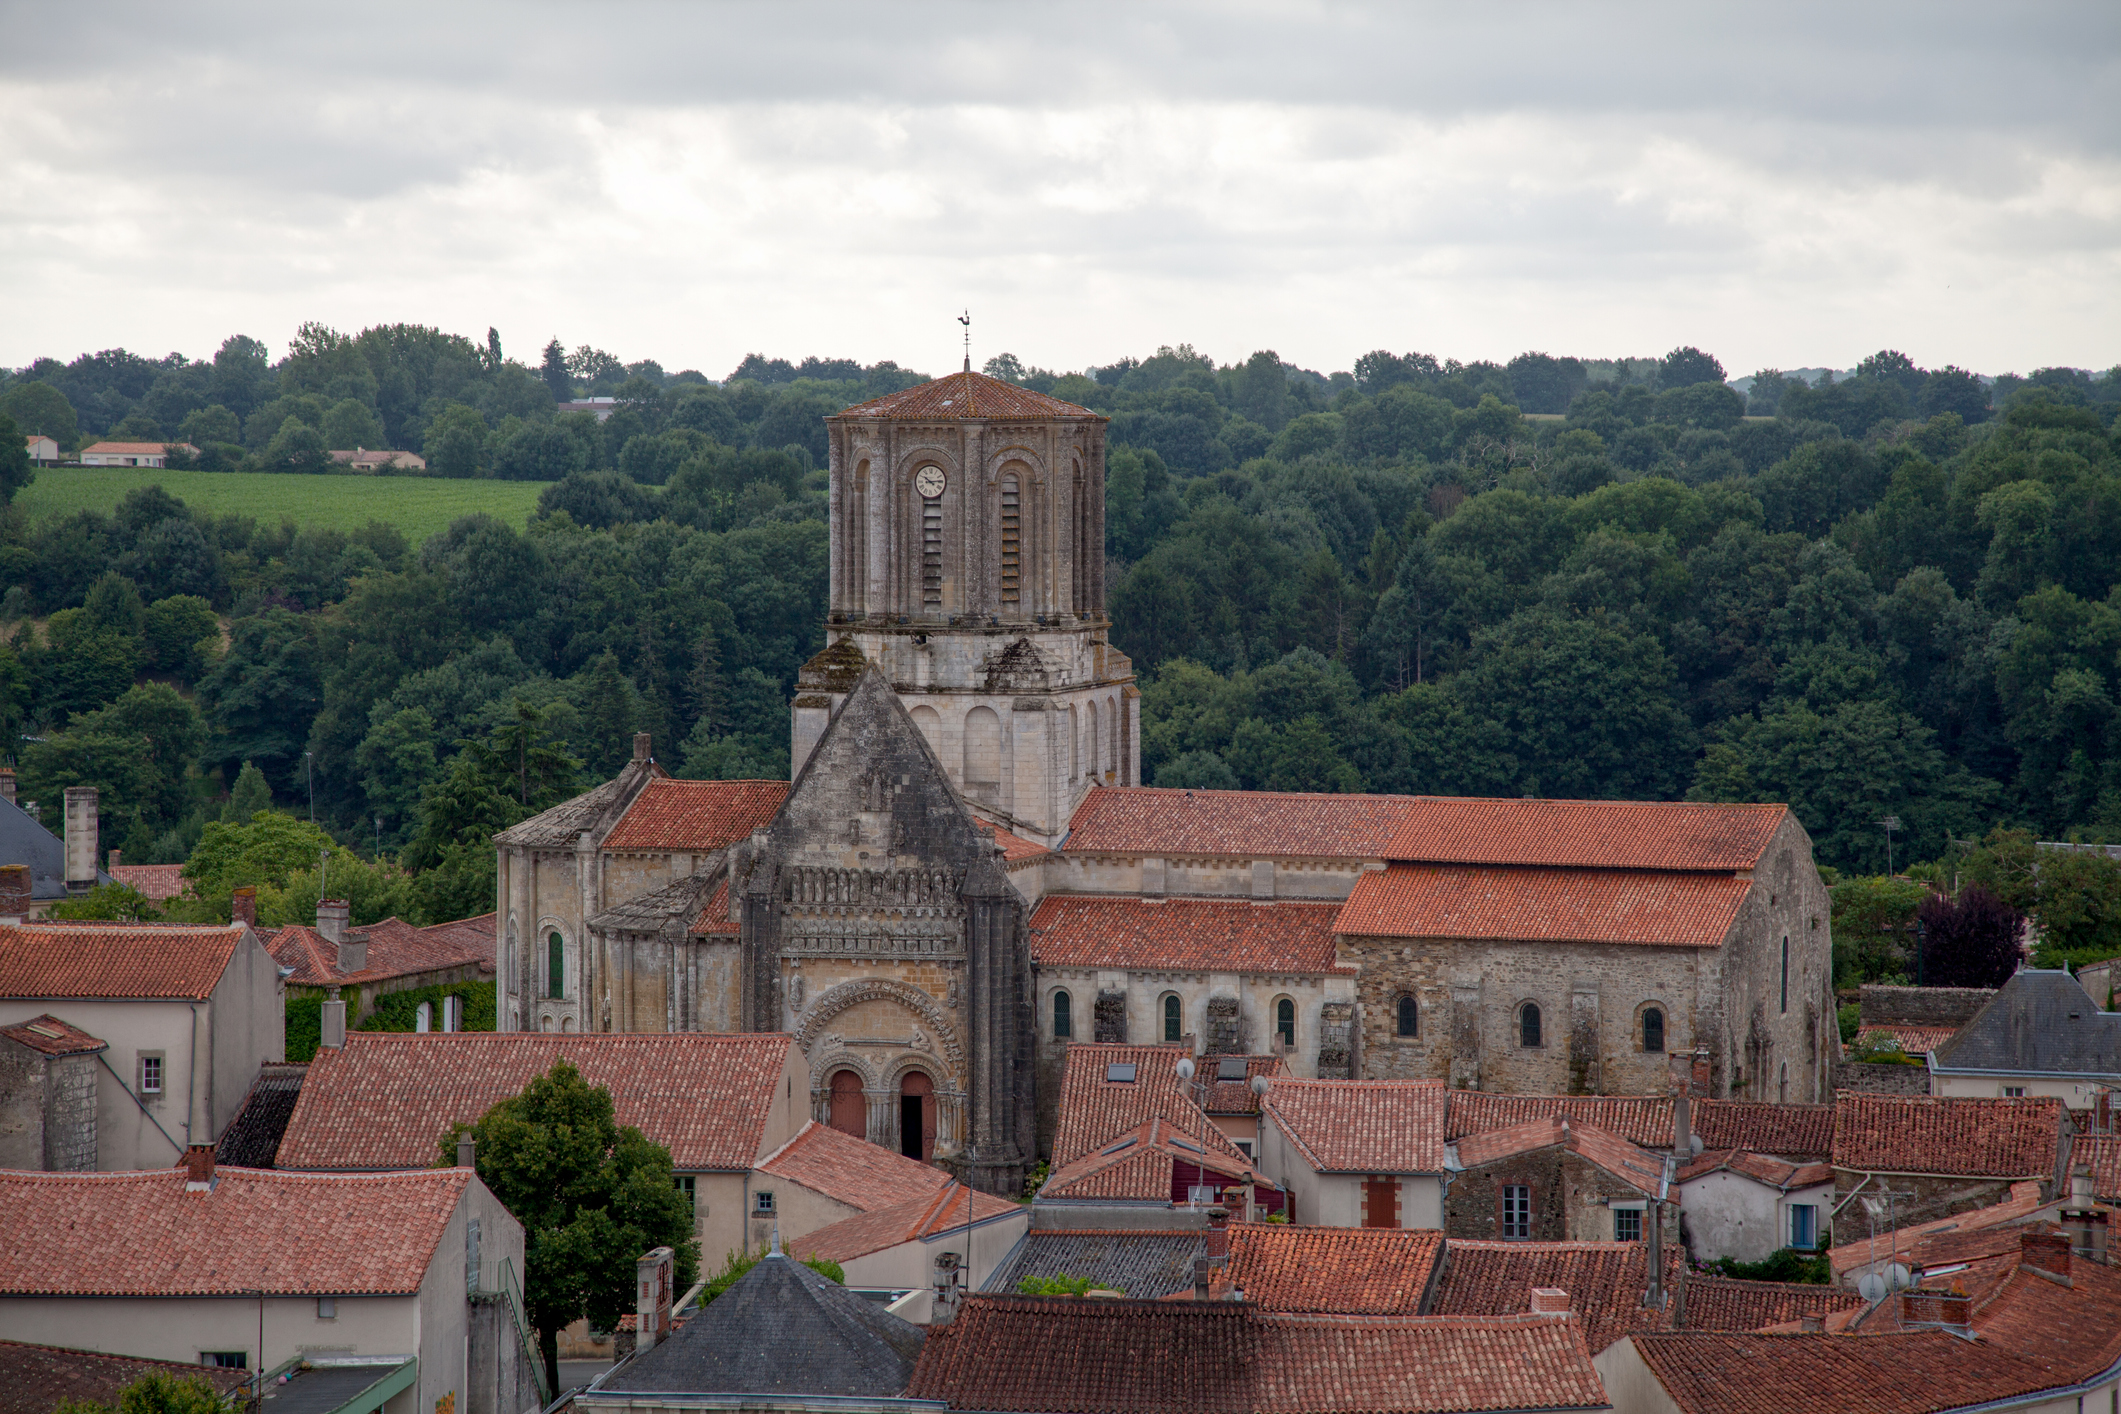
{"points": [[966, 320]]}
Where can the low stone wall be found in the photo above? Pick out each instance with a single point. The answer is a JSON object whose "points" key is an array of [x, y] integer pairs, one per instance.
{"points": [[1921, 1006], [1875, 1079]]}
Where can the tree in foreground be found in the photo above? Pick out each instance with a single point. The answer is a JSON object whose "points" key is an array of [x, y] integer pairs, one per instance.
{"points": [[156, 1393], [592, 1197]]}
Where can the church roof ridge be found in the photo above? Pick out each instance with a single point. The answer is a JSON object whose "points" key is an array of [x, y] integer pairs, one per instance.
{"points": [[966, 397]]}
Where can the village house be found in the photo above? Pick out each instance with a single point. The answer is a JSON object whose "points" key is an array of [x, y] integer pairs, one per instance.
{"points": [[1357, 1153], [822, 1175], [1926, 1157], [896, 1248], [2041, 1034], [1747, 1206], [133, 453], [361, 965], [368, 461], [157, 883], [42, 450], [1553, 1180]]}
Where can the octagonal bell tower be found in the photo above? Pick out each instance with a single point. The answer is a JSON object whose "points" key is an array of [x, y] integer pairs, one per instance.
{"points": [[968, 564]]}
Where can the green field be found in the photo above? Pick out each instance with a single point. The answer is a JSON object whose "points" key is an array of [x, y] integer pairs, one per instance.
{"points": [[417, 505]]}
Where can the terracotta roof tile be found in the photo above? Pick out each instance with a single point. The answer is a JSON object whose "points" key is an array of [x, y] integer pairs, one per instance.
{"points": [[1931, 1134], [1722, 1304], [910, 1221], [2101, 1153], [1361, 1126], [1545, 905], [1915, 1040], [142, 1234], [52, 1037], [35, 1379], [965, 397], [1918, 1372], [1015, 848], [1346, 1271], [395, 949], [1787, 1131], [1184, 935], [1630, 1163], [155, 881], [850, 1170], [1226, 1357], [695, 815], [2072, 1333], [1915, 1241], [561, 826], [385, 1100], [1237, 1097], [114, 960], [1600, 834], [1761, 1168], [1152, 1163], [1605, 1282], [714, 919], [1225, 823], [1095, 1109], [1639, 1119], [134, 448]]}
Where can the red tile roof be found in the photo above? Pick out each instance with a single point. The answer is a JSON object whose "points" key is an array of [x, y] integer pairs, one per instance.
{"points": [[53, 1037], [850, 1170], [143, 1234], [1932, 1134], [35, 1379], [1787, 1131], [1598, 834], [2072, 1333], [1184, 935], [1146, 1164], [1015, 848], [1918, 1372], [714, 916], [1545, 905], [1095, 1110], [1722, 1304], [1630, 1163], [135, 448], [1915, 1040], [1361, 1126], [1761, 1168], [1343, 1271], [1639, 1119], [965, 397], [132, 961], [1225, 1357], [395, 949], [1226, 823], [1916, 1240], [910, 1221], [2101, 1153], [385, 1100], [155, 881], [1605, 1282], [695, 815], [1237, 1097]]}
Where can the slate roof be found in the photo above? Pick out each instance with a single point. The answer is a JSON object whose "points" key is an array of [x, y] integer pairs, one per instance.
{"points": [[1226, 1357], [142, 1234], [1787, 1131], [850, 1170], [1233, 823], [1345, 1271], [1934, 1134], [24, 841], [682, 904], [1145, 1264], [153, 881], [1722, 1304], [1361, 1126], [965, 397], [910, 1221], [116, 961], [779, 1329], [35, 1378], [252, 1139], [560, 826], [2040, 1023], [1760, 1168], [395, 949], [1597, 834], [384, 1101], [1145, 1164], [1638, 906], [695, 815], [50, 1036], [1605, 1282], [1630, 1163], [1095, 1109], [1639, 1119], [1184, 935]]}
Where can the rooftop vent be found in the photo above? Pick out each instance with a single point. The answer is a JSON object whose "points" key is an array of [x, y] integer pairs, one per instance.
{"points": [[1120, 1073]]}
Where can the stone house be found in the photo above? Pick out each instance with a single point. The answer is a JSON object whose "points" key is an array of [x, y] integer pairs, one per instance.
{"points": [[403, 1272], [48, 1073], [822, 1175], [1364, 1153], [1942, 1156], [360, 965], [187, 1015], [2041, 1034], [1553, 1180]]}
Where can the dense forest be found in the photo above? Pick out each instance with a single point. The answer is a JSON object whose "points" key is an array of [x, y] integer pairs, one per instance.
{"points": [[1888, 594]]}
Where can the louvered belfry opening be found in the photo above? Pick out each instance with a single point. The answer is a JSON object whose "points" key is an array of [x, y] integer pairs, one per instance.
{"points": [[932, 552], [1012, 542]]}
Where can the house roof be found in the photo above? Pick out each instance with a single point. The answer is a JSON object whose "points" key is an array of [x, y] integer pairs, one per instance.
{"points": [[35, 1379], [1639, 1119], [780, 1329], [695, 815], [1605, 1282], [850, 1170], [1144, 1164], [561, 826], [1345, 1271], [2040, 1023], [1787, 1131], [142, 1234], [1760, 1168], [1226, 1357], [1236, 1097], [714, 916], [1630, 1163], [395, 949], [24, 840], [1545, 904], [252, 1139], [1597, 834], [911, 1221], [1095, 1109], [153, 881], [129, 961], [1145, 1264], [1917, 1241], [1722, 1304], [2101, 1153], [1933, 1134], [1361, 1126], [675, 909], [386, 1098], [134, 449], [1224, 823], [1711, 1372], [1015, 848], [1184, 935], [965, 397], [1914, 1040], [50, 1036]]}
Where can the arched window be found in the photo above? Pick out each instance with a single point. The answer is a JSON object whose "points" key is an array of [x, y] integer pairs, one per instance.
{"points": [[1012, 542], [1063, 1022], [423, 1017], [555, 966], [983, 753], [1653, 1030], [1090, 744], [931, 537], [1173, 1019], [1528, 1024], [1409, 1017], [1285, 1021]]}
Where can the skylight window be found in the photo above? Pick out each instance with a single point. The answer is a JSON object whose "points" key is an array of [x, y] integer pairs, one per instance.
{"points": [[1190, 1147], [1121, 1073], [1230, 1068], [1114, 1149]]}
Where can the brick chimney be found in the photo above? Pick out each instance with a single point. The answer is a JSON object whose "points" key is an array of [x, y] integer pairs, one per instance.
{"points": [[467, 1151], [652, 1306], [1219, 1236], [331, 918], [7, 784], [1683, 1126], [332, 1023], [2044, 1251], [1953, 1310], [1549, 1301], [640, 749], [80, 839], [243, 905], [199, 1168], [14, 893], [114, 857]]}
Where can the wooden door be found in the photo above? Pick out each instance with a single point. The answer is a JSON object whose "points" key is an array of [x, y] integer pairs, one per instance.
{"points": [[1380, 1202], [850, 1108]]}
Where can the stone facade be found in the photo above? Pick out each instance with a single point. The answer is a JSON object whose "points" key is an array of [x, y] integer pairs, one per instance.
{"points": [[1570, 1197], [47, 1109]]}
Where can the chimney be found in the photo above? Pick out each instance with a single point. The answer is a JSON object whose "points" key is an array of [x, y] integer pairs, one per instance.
{"points": [[1953, 1310], [652, 1308], [467, 1151], [80, 839], [1219, 1236], [331, 918], [1653, 1255], [199, 1168], [14, 893], [243, 905], [2044, 1251], [353, 952], [114, 857], [1812, 1325], [1202, 1281], [1549, 1301], [7, 784], [1683, 1126], [1700, 1083], [640, 749], [333, 1023], [947, 1289]]}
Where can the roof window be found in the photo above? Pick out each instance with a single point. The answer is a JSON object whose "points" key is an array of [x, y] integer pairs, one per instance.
{"points": [[1120, 1073], [1230, 1068], [1126, 1143], [1187, 1145]]}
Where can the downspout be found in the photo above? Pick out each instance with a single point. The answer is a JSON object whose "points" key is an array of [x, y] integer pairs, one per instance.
{"points": [[191, 1100]]}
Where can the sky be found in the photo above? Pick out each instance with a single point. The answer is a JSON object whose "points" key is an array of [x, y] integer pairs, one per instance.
{"points": [[1784, 185]]}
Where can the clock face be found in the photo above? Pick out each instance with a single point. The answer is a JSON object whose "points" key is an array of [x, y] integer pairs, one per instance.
{"points": [[929, 481]]}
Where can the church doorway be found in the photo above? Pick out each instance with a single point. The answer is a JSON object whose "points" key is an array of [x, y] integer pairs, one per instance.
{"points": [[916, 1117], [850, 1109]]}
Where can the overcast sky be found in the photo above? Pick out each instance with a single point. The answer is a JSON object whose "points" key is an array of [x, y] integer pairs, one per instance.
{"points": [[1782, 184]]}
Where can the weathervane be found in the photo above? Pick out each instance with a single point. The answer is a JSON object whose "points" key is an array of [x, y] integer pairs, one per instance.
{"points": [[966, 320]]}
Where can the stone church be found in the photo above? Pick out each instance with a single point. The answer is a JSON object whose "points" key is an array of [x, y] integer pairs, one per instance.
{"points": [[965, 874]]}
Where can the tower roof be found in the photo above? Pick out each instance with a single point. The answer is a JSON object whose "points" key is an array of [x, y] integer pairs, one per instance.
{"points": [[967, 397]]}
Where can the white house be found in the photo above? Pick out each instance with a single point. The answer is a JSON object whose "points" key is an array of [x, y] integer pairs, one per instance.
{"points": [[2041, 1034], [1749, 1206], [132, 453], [1356, 1153], [42, 450], [896, 1248]]}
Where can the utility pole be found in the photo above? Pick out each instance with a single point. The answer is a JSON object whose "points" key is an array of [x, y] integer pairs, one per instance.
{"points": [[1891, 823], [310, 775]]}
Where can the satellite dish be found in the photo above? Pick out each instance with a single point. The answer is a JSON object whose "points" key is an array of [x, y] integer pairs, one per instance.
{"points": [[1871, 1288], [1185, 1070], [1260, 1085], [1898, 1278]]}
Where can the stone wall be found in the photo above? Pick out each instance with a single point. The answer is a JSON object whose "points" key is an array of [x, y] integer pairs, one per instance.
{"points": [[23, 1087], [1874, 1079], [1569, 1196], [47, 1110], [1921, 1006], [1932, 1196]]}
